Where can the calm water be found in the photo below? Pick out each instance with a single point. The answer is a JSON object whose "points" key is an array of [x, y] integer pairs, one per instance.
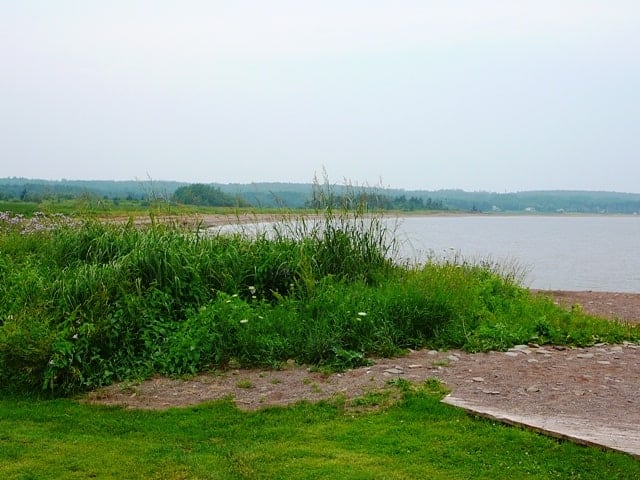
{"points": [[599, 253]]}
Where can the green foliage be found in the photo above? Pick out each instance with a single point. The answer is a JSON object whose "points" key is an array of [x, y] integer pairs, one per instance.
{"points": [[86, 304], [68, 196], [206, 195], [19, 207], [26, 345]]}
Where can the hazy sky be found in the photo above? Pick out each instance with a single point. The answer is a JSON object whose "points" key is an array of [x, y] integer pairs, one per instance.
{"points": [[472, 94]]}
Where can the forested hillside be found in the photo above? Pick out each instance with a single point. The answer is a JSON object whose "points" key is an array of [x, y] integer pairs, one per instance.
{"points": [[304, 195]]}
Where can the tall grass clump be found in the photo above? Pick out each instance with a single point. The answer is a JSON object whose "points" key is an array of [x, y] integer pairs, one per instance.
{"points": [[86, 303], [344, 238]]}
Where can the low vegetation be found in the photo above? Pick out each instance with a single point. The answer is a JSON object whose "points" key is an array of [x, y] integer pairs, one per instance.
{"points": [[415, 437], [88, 303]]}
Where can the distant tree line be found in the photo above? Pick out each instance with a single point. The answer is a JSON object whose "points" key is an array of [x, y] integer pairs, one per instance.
{"points": [[375, 201], [560, 201], [414, 203], [206, 196], [307, 195], [40, 190]]}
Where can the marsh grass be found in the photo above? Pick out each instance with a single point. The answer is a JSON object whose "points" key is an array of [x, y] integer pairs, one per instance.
{"points": [[88, 303]]}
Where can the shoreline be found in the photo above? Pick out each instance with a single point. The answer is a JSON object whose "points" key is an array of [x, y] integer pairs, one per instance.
{"points": [[219, 219], [621, 306], [618, 306]]}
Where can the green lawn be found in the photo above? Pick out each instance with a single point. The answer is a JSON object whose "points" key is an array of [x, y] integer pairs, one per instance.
{"points": [[416, 438]]}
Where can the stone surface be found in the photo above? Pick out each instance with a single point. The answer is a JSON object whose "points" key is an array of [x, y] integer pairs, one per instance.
{"points": [[394, 371], [585, 355], [624, 438]]}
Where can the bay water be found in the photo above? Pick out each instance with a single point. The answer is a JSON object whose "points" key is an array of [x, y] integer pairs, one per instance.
{"points": [[598, 253]]}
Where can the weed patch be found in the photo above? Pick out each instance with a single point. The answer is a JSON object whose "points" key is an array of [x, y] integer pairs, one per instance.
{"points": [[86, 303]]}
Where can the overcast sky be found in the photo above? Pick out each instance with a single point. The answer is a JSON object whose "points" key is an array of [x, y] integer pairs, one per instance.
{"points": [[472, 94]]}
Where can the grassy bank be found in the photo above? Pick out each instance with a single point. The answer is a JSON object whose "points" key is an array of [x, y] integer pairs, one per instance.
{"points": [[417, 437], [87, 303]]}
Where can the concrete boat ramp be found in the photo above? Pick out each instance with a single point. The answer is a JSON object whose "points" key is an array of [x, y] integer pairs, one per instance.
{"points": [[621, 437]]}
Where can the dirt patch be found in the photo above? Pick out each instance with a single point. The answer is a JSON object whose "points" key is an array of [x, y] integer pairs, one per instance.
{"points": [[624, 307], [599, 381]]}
